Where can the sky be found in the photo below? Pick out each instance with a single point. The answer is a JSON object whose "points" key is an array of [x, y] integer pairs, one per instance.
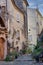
{"points": [[36, 4]]}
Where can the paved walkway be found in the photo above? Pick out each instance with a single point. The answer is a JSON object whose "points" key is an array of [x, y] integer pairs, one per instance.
{"points": [[26, 57], [26, 60], [22, 60], [6, 63]]}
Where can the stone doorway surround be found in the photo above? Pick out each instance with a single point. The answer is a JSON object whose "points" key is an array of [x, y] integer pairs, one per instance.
{"points": [[3, 40], [3, 46]]}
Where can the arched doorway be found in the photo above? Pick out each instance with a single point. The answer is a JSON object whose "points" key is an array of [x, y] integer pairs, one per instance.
{"points": [[1, 39], [2, 48]]}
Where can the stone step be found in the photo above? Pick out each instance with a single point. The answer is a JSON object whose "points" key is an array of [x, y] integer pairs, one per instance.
{"points": [[25, 58]]}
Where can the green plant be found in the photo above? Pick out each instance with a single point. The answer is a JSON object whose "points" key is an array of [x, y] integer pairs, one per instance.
{"points": [[24, 48], [12, 55], [23, 51], [29, 51], [8, 58], [37, 51], [39, 47]]}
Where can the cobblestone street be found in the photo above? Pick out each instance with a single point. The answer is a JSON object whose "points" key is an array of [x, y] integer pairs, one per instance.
{"points": [[23, 60], [20, 63]]}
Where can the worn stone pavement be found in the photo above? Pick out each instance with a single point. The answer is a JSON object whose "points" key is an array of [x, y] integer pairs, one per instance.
{"points": [[22, 60]]}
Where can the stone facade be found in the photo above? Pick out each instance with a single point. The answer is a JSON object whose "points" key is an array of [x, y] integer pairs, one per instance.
{"points": [[3, 30], [34, 26], [13, 14], [39, 22], [17, 23]]}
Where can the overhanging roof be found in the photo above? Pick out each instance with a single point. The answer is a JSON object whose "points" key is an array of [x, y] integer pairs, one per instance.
{"points": [[19, 4]]}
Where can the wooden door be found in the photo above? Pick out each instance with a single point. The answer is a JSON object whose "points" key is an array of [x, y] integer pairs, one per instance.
{"points": [[1, 49]]}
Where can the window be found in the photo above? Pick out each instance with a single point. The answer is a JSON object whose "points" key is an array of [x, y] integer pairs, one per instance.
{"points": [[16, 42], [17, 48], [18, 34], [30, 37], [29, 30], [18, 38], [22, 31], [18, 21], [18, 17], [3, 9]]}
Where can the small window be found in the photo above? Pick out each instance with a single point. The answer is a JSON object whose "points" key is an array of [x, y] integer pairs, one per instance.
{"points": [[18, 17], [18, 21], [3, 9], [18, 38], [22, 31], [30, 37], [17, 48], [16, 42], [29, 30], [18, 34]]}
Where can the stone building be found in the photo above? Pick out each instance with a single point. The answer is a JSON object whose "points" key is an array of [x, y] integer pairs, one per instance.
{"points": [[42, 22], [3, 30], [34, 26], [39, 23], [13, 25]]}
